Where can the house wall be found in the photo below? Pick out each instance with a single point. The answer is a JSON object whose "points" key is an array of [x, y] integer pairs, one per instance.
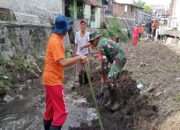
{"points": [[122, 10], [118, 10], [128, 14]]}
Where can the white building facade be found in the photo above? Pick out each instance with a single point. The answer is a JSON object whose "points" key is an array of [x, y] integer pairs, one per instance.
{"points": [[175, 14]]}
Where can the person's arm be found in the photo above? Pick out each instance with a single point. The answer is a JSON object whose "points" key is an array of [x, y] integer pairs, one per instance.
{"points": [[72, 61], [86, 46], [58, 53]]}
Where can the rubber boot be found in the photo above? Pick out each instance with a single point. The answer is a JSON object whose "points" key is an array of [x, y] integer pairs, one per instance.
{"points": [[47, 124], [55, 127]]}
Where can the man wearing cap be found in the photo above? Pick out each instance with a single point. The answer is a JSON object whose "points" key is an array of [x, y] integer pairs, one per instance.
{"points": [[81, 39], [114, 55], [53, 75]]}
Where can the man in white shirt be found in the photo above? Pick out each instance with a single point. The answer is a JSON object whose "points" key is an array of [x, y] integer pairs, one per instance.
{"points": [[81, 39]]}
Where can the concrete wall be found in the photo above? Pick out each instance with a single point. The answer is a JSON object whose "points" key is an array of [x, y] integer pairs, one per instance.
{"points": [[22, 39], [31, 9]]}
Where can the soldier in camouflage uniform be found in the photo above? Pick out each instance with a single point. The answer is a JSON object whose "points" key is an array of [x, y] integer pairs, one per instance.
{"points": [[116, 59]]}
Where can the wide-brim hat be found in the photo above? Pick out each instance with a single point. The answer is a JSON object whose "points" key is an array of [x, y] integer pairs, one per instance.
{"points": [[62, 24], [94, 36]]}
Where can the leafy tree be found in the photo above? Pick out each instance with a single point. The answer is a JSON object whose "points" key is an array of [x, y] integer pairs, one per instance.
{"points": [[147, 8], [140, 3], [113, 27]]}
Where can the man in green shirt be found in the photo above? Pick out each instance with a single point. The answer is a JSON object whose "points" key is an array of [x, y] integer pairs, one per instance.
{"points": [[112, 51], [113, 60]]}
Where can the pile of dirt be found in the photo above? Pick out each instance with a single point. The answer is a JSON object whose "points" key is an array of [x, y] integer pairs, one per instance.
{"points": [[133, 107], [157, 67]]}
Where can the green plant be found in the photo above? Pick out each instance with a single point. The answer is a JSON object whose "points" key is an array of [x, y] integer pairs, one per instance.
{"points": [[113, 27], [147, 8]]}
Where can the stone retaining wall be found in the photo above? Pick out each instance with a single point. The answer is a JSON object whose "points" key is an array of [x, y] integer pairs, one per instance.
{"points": [[22, 39]]}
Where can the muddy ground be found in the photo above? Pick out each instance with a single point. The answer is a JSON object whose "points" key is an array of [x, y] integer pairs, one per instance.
{"points": [[152, 65], [157, 68]]}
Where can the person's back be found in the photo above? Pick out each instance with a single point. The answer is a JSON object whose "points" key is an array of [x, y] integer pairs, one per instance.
{"points": [[110, 47], [115, 55], [53, 73]]}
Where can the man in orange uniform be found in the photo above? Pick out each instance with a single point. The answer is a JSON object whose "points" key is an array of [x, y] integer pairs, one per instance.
{"points": [[53, 75]]}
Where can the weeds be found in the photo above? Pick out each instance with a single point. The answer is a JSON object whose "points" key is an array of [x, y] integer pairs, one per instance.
{"points": [[17, 69]]}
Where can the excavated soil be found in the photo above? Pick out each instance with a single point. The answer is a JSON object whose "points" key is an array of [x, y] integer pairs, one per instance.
{"points": [[133, 109]]}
